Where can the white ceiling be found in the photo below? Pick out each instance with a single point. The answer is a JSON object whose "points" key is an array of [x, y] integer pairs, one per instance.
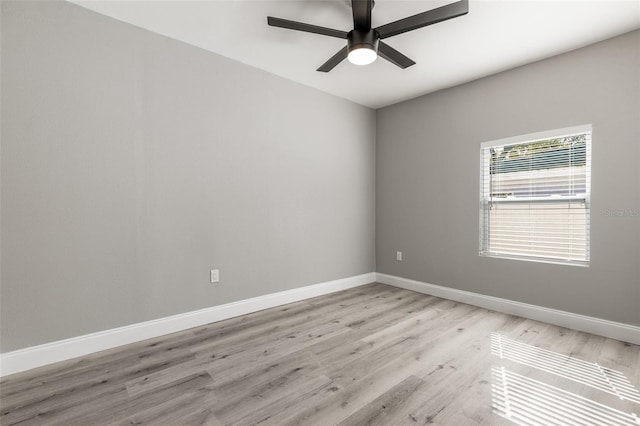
{"points": [[496, 35]]}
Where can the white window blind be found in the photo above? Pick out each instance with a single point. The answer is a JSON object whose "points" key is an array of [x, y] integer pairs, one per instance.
{"points": [[535, 196]]}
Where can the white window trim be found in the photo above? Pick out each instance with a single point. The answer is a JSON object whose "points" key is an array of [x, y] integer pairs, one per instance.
{"points": [[530, 137], [547, 134]]}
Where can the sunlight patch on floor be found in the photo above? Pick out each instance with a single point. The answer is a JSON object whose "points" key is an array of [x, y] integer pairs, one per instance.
{"points": [[526, 401], [587, 373], [530, 402]]}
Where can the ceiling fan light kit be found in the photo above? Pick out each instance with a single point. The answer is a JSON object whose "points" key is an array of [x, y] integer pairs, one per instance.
{"points": [[364, 43], [362, 47]]}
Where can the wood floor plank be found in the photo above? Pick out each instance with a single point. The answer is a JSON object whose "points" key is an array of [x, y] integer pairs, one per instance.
{"points": [[386, 406], [390, 350], [188, 408], [305, 318], [377, 381], [411, 306], [68, 371], [113, 410], [368, 355], [274, 407], [263, 350], [233, 387], [232, 399], [261, 322]]}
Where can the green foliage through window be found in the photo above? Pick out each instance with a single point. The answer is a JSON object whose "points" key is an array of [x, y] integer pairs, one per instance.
{"points": [[568, 151]]}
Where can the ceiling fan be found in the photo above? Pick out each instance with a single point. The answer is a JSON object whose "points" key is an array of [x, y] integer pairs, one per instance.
{"points": [[363, 42]]}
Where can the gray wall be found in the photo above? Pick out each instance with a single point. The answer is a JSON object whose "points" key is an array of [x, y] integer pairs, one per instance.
{"points": [[427, 184], [132, 164]]}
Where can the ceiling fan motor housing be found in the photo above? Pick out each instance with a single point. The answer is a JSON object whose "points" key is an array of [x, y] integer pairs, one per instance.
{"points": [[357, 39]]}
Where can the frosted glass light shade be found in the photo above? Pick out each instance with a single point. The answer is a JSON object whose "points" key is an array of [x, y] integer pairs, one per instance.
{"points": [[362, 56]]}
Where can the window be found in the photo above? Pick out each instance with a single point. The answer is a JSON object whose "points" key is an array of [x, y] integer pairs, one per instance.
{"points": [[535, 196]]}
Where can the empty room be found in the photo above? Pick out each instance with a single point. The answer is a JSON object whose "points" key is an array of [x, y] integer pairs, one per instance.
{"points": [[337, 212]]}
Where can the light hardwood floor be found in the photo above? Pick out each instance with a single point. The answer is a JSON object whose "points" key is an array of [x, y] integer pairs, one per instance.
{"points": [[371, 355]]}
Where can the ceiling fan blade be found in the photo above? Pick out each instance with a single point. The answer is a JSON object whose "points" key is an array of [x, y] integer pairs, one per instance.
{"points": [[420, 20], [393, 56], [301, 26], [334, 60], [362, 14]]}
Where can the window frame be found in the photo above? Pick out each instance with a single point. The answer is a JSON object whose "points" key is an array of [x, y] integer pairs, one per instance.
{"points": [[484, 223]]}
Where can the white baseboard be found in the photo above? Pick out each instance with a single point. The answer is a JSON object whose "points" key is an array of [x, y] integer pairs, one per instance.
{"points": [[49, 353], [611, 329], [37, 356]]}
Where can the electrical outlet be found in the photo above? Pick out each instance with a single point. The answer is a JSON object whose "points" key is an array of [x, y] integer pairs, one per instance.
{"points": [[215, 275], [399, 256]]}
